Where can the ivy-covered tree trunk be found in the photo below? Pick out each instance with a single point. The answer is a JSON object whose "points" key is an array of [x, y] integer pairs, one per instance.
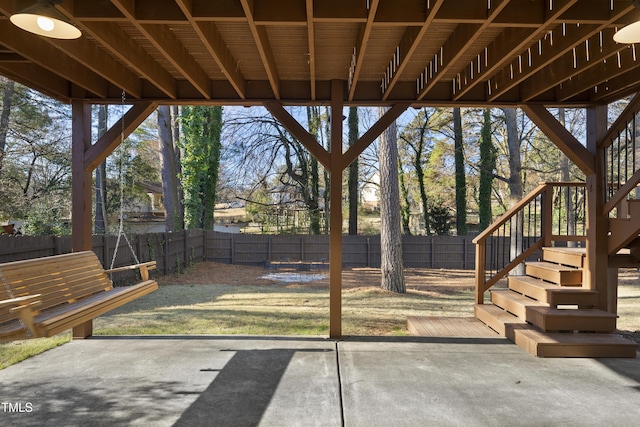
{"points": [[100, 225], [487, 166], [7, 98], [424, 201], [405, 207], [202, 127], [169, 172], [391, 267], [461, 176], [353, 174]]}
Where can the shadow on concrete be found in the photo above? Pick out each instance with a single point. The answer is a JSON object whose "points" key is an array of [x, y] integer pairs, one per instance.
{"points": [[49, 403], [629, 368], [242, 391]]}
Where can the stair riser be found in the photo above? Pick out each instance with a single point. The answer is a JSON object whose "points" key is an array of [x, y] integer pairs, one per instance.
{"points": [[513, 307], [623, 231], [540, 349], [562, 278], [549, 323], [574, 260], [585, 351], [488, 319]]}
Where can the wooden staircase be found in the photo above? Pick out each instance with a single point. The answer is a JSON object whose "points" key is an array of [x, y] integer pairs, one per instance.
{"points": [[549, 314]]}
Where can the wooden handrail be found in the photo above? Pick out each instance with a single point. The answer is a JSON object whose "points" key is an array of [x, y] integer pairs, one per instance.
{"points": [[544, 239], [620, 124], [622, 192], [510, 213], [523, 202]]}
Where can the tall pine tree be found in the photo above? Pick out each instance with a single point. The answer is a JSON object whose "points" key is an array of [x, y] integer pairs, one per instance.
{"points": [[461, 177], [487, 166]]}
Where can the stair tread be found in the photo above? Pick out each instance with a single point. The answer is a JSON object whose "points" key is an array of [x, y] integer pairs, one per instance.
{"points": [[574, 257], [497, 319], [519, 298], [500, 314], [552, 266], [573, 251], [552, 287]]}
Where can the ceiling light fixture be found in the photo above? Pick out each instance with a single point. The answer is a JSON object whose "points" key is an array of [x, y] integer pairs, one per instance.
{"points": [[44, 19], [631, 33]]}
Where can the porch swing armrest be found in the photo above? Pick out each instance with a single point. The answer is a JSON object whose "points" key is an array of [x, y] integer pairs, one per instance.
{"points": [[144, 268]]}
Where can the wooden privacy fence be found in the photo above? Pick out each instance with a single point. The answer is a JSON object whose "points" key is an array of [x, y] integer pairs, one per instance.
{"points": [[173, 251], [358, 251]]}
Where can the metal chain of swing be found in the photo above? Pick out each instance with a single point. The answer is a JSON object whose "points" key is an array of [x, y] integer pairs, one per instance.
{"points": [[121, 232]]}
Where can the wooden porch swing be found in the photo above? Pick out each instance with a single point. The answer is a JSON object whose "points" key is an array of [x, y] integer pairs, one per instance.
{"points": [[45, 296]]}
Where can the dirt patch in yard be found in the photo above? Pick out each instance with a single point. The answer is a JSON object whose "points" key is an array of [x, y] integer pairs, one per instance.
{"points": [[419, 279]]}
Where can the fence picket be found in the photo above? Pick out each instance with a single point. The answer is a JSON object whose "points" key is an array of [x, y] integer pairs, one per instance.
{"points": [[175, 250]]}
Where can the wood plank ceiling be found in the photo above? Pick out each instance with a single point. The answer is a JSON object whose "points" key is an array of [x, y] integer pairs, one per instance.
{"points": [[245, 52]]}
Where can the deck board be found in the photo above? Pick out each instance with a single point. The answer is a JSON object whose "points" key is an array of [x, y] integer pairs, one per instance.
{"points": [[459, 327]]}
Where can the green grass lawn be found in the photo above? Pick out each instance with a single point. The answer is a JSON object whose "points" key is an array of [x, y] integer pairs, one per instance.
{"points": [[282, 310], [273, 310]]}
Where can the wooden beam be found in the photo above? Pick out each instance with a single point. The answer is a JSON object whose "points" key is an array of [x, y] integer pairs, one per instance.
{"points": [[612, 90], [291, 124], [457, 45], [620, 62], [264, 48], [361, 47], [409, 12], [81, 206], [161, 37], [89, 55], [409, 43], [589, 54], [548, 50], [509, 44], [335, 212], [36, 77], [98, 152], [125, 49], [213, 42], [311, 42], [369, 136], [47, 56], [561, 137]]}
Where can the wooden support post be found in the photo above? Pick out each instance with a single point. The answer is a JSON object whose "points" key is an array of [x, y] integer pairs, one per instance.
{"points": [[480, 272], [82, 331], [335, 219], [547, 216], [335, 162], [596, 274], [612, 283], [81, 178]]}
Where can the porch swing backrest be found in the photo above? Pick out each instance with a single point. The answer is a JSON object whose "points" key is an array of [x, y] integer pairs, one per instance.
{"points": [[61, 291]]}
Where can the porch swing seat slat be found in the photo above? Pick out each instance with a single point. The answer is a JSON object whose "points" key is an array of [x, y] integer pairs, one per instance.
{"points": [[45, 296]]}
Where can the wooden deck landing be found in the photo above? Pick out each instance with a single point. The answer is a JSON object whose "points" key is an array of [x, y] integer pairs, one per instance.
{"points": [[459, 327]]}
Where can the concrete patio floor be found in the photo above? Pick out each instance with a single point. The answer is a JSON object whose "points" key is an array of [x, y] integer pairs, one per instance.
{"points": [[301, 381]]}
